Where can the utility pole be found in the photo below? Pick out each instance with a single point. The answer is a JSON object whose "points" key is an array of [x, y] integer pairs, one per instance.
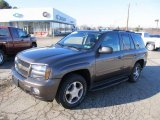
{"points": [[157, 21], [128, 16]]}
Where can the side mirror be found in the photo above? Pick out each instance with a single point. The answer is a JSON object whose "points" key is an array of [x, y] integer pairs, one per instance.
{"points": [[103, 50]]}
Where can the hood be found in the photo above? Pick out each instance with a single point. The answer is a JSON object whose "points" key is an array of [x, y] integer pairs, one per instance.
{"points": [[38, 54]]}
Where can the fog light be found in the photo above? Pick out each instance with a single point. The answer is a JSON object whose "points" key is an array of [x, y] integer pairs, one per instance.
{"points": [[35, 91]]}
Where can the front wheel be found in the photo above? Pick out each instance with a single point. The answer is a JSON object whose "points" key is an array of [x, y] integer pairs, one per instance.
{"points": [[136, 72], [34, 45], [72, 91]]}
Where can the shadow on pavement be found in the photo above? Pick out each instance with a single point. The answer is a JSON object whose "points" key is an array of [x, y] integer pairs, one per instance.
{"points": [[8, 63], [146, 87]]}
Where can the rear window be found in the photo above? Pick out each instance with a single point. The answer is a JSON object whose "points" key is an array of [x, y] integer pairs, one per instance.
{"points": [[4, 32], [138, 41]]}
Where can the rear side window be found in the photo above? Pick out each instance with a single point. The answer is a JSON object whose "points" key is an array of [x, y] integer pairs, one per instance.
{"points": [[4, 32], [138, 41], [111, 40], [127, 42]]}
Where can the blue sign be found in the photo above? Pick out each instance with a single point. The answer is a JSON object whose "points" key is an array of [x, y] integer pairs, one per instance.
{"points": [[18, 15]]}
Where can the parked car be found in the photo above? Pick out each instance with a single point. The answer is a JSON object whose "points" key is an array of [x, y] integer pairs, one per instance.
{"points": [[14, 40], [151, 43], [80, 62]]}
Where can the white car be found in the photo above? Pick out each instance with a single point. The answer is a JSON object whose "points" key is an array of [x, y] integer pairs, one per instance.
{"points": [[151, 43]]}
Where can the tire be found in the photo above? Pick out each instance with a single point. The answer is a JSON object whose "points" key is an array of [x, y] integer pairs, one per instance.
{"points": [[34, 45], [136, 72], [2, 57], [72, 91], [150, 47]]}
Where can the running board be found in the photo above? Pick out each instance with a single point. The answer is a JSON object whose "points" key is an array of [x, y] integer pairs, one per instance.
{"points": [[109, 84]]}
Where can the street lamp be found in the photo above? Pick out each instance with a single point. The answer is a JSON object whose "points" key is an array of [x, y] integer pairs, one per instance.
{"points": [[157, 21], [128, 16]]}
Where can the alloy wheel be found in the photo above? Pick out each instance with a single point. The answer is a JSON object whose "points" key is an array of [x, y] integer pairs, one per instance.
{"points": [[1, 58], [74, 92], [137, 72]]}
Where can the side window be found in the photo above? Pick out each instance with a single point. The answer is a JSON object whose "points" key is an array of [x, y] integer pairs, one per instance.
{"points": [[4, 32], [21, 33], [138, 41], [127, 43], [111, 40], [14, 33]]}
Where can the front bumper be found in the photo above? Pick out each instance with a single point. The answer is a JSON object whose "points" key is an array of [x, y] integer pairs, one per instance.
{"points": [[47, 88]]}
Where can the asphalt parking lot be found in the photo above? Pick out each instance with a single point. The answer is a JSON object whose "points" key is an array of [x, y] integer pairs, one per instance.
{"points": [[126, 101]]}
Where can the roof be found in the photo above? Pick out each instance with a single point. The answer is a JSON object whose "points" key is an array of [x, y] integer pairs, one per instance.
{"points": [[101, 31]]}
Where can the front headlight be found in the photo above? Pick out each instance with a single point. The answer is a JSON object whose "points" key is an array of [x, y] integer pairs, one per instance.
{"points": [[40, 71]]}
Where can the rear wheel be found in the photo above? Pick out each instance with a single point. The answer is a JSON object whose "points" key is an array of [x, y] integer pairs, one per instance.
{"points": [[136, 72], [2, 57], [72, 91], [150, 47], [34, 45]]}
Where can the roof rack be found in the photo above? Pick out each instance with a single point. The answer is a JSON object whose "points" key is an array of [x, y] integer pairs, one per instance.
{"points": [[124, 31]]}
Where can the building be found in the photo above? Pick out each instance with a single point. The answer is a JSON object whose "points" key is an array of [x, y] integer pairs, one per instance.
{"points": [[38, 21]]}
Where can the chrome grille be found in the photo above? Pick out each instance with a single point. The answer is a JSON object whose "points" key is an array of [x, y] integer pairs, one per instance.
{"points": [[22, 67]]}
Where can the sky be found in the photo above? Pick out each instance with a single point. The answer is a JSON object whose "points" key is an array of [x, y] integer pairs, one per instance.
{"points": [[109, 13]]}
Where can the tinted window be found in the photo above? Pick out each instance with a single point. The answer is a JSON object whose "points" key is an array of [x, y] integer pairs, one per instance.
{"points": [[14, 33], [112, 40], [138, 41], [21, 33], [127, 42], [4, 32]]}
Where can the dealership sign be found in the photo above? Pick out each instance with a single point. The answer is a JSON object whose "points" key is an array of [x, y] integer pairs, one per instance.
{"points": [[46, 14], [18, 15], [60, 18]]}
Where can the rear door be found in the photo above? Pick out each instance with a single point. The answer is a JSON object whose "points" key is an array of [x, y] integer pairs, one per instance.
{"points": [[6, 39], [129, 53]]}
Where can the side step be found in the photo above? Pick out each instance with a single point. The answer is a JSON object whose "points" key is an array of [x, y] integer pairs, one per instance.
{"points": [[109, 84]]}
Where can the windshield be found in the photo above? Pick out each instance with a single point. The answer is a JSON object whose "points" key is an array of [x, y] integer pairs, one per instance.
{"points": [[4, 32], [80, 40]]}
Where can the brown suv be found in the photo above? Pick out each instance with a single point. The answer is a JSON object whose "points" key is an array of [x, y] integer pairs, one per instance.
{"points": [[81, 61], [14, 40]]}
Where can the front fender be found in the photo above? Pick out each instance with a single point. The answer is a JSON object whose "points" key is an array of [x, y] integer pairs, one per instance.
{"points": [[59, 73]]}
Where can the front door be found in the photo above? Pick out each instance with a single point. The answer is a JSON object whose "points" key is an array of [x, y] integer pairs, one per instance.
{"points": [[109, 65], [20, 43], [24, 39], [17, 43]]}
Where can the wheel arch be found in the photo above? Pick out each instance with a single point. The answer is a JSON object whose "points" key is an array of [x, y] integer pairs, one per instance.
{"points": [[85, 73], [141, 62], [3, 48]]}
